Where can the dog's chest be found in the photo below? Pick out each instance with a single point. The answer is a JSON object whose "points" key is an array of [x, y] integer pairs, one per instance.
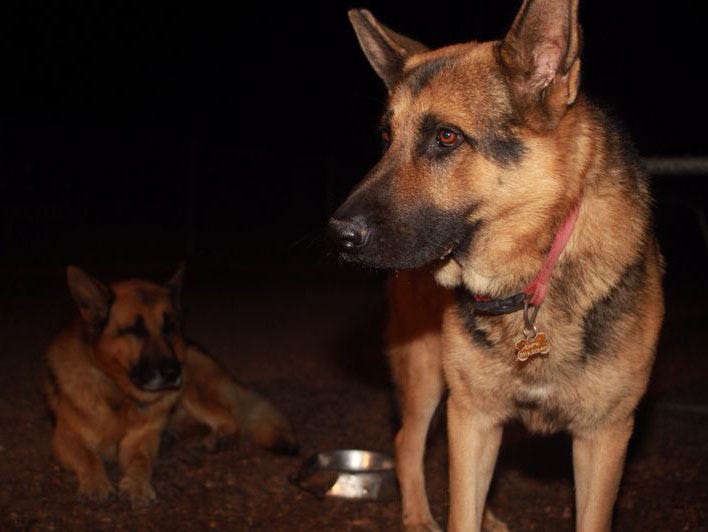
{"points": [[540, 406], [541, 391], [547, 392], [122, 414]]}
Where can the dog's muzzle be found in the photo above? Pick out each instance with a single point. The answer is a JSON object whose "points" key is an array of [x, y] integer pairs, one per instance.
{"points": [[156, 375]]}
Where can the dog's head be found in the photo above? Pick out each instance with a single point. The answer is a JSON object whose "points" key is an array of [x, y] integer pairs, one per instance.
{"points": [[467, 133], [135, 331]]}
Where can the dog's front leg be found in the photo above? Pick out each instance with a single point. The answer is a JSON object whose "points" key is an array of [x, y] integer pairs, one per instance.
{"points": [[136, 455], [474, 438], [598, 460], [73, 452], [420, 385]]}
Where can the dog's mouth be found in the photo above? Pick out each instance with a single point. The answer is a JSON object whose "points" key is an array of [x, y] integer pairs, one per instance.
{"points": [[459, 249], [451, 249], [451, 252], [158, 385]]}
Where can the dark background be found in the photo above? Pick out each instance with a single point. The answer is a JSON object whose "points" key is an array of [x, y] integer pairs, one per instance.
{"points": [[137, 134], [164, 130]]}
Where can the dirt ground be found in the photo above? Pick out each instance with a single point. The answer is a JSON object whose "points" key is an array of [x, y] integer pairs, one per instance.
{"points": [[309, 340]]}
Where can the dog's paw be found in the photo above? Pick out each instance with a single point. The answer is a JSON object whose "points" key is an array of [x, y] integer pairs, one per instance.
{"points": [[491, 523], [95, 489], [138, 492]]}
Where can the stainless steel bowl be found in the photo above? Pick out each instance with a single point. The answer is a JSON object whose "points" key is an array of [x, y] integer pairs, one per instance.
{"points": [[349, 474]]}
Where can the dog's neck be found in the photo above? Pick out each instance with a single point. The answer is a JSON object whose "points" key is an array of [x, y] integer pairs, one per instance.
{"points": [[535, 292], [520, 270]]}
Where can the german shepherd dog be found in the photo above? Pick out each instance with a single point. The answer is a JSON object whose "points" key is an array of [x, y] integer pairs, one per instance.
{"points": [[123, 373], [529, 209]]}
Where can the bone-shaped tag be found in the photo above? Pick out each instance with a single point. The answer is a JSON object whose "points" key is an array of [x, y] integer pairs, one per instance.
{"points": [[538, 345]]}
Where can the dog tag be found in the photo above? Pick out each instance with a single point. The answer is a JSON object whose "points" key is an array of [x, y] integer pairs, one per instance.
{"points": [[528, 347]]}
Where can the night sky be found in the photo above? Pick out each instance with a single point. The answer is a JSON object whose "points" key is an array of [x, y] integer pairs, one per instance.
{"points": [[159, 130]]}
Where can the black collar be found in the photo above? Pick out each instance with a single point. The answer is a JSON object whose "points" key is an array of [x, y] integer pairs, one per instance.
{"points": [[495, 307]]}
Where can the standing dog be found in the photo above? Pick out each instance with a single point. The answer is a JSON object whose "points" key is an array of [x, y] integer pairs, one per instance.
{"points": [[518, 195], [123, 372]]}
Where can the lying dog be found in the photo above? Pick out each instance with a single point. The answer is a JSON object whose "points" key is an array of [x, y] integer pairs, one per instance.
{"points": [[119, 376], [516, 194]]}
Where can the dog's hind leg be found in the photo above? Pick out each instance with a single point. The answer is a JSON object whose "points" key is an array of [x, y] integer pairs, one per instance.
{"points": [[598, 461], [222, 425]]}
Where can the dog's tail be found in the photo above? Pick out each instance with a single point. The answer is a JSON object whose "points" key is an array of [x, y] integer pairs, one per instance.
{"points": [[214, 398]]}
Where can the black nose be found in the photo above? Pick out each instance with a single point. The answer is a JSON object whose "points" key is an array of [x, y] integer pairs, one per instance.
{"points": [[156, 373], [170, 369], [349, 234]]}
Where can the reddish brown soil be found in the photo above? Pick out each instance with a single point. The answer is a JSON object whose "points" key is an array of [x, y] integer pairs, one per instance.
{"points": [[310, 342]]}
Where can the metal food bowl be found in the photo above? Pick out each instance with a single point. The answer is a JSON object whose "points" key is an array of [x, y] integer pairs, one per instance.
{"points": [[349, 474]]}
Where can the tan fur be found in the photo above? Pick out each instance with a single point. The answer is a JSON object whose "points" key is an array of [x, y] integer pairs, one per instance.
{"points": [[524, 87], [519, 227], [101, 416]]}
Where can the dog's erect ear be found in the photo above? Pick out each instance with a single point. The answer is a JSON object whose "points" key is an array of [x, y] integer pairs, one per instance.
{"points": [[541, 54], [385, 49], [93, 298], [175, 286]]}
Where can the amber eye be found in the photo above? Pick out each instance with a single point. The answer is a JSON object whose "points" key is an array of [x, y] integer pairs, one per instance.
{"points": [[447, 137]]}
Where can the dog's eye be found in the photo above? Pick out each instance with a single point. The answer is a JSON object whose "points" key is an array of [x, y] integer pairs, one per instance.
{"points": [[447, 138], [137, 329]]}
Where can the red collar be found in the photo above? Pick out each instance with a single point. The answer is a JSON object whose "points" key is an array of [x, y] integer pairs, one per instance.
{"points": [[535, 293]]}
